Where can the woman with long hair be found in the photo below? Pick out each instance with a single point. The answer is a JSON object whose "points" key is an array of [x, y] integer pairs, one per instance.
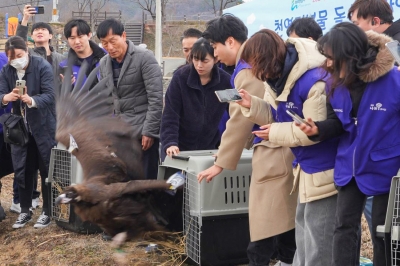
{"points": [[295, 82], [37, 107], [363, 109]]}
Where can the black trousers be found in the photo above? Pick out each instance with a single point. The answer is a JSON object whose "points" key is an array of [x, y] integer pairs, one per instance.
{"points": [[350, 206], [260, 252], [150, 160], [34, 162]]}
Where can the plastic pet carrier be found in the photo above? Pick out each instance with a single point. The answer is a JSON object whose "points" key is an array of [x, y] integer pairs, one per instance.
{"points": [[215, 214], [64, 171]]}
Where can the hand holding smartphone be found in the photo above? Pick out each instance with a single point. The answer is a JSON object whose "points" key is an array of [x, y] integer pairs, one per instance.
{"points": [[394, 49], [297, 118], [229, 95], [38, 9], [20, 85]]}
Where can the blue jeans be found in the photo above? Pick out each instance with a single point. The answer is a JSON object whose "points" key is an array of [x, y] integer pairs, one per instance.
{"points": [[368, 212]]}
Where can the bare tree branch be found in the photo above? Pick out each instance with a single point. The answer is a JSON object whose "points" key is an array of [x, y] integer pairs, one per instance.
{"points": [[150, 6]]}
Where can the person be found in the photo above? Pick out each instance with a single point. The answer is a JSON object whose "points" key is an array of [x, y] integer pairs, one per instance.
{"points": [[192, 111], [363, 90], [41, 33], [190, 36], [6, 167], [295, 82], [272, 178], [138, 92], [376, 15], [305, 27], [37, 106], [77, 32]]}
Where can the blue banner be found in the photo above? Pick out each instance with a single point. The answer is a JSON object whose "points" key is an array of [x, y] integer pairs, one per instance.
{"points": [[279, 14]]}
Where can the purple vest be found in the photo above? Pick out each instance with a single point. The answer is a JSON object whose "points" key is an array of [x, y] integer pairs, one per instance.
{"points": [[369, 149], [315, 158]]}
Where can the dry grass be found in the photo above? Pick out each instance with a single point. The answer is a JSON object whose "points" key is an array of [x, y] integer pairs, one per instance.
{"points": [[56, 246]]}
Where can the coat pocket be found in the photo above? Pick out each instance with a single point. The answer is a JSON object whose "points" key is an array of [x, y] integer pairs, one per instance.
{"points": [[324, 178], [385, 153], [270, 164]]}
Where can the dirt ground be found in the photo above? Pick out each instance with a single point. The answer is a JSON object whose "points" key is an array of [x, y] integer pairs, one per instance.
{"points": [[56, 246]]}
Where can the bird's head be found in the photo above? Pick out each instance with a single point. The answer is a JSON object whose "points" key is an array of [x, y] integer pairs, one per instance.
{"points": [[70, 195]]}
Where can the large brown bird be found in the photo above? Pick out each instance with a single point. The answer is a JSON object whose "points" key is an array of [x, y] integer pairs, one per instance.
{"points": [[111, 194]]}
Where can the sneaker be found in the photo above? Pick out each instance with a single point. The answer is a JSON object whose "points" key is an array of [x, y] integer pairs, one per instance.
{"points": [[23, 218], [15, 207], [280, 263], [43, 221], [35, 203]]}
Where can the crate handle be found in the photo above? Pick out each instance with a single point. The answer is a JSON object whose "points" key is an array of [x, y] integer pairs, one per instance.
{"points": [[183, 158]]}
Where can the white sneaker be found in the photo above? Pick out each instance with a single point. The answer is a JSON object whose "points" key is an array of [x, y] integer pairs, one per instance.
{"points": [[280, 263], [43, 221], [35, 203], [15, 207]]}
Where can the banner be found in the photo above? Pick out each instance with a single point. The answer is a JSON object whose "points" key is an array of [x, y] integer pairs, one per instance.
{"points": [[277, 15]]}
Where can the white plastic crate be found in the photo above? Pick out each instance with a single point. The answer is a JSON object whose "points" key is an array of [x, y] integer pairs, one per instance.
{"points": [[225, 196]]}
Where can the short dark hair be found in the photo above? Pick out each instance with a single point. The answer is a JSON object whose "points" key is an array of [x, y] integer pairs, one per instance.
{"points": [[81, 25], [305, 28], [42, 25], [15, 42], [372, 8], [347, 46], [201, 48], [110, 24], [192, 33], [265, 51], [227, 25]]}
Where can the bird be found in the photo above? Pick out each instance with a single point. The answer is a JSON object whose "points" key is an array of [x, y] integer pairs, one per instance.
{"points": [[113, 194]]}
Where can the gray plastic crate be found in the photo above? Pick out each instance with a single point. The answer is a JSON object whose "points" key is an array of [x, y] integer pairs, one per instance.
{"points": [[65, 170], [228, 193], [212, 211]]}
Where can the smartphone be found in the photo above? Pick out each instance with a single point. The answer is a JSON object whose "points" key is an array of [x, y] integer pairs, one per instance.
{"points": [[229, 95], [39, 9], [20, 84], [394, 49], [297, 118]]}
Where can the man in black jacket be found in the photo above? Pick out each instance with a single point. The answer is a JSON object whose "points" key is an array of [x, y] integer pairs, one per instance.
{"points": [[374, 15], [78, 34], [41, 33]]}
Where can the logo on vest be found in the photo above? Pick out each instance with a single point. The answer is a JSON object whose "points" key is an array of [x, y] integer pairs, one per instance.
{"points": [[290, 105], [338, 110], [377, 107]]}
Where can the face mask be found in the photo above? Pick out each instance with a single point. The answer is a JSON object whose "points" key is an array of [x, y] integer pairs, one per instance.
{"points": [[19, 63]]}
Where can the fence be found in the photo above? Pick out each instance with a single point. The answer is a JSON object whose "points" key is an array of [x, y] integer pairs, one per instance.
{"points": [[183, 18], [97, 18]]}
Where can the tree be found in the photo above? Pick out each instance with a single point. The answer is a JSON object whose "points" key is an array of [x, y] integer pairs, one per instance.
{"points": [[219, 5], [93, 7], [150, 6]]}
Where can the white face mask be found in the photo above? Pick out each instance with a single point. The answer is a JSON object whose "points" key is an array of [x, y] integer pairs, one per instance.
{"points": [[19, 63]]}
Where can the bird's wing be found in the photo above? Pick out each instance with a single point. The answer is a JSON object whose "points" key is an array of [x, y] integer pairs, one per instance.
{"points": [[136, 186], [103, 143]]}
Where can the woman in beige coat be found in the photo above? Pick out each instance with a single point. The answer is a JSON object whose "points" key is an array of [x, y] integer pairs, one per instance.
{"points": [[294, 82], [271, 207]]}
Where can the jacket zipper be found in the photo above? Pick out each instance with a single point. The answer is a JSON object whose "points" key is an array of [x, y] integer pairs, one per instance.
{"points": [[354, 152]]}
